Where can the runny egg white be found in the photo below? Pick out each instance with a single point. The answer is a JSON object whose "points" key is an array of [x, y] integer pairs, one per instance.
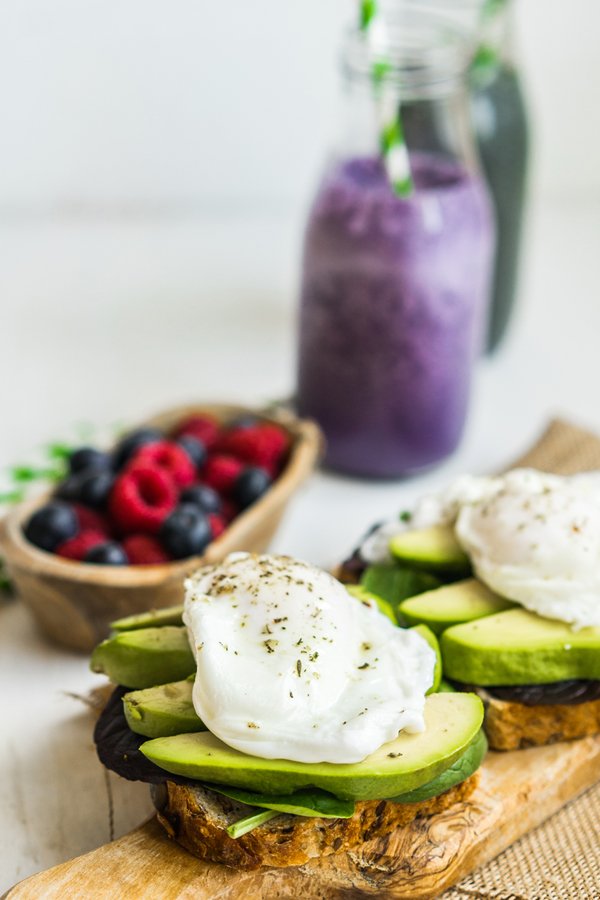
{"points": [[291, 666]]}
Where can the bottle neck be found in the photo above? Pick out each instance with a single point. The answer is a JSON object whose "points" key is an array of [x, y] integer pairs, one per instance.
{"points": [[421, 72]]}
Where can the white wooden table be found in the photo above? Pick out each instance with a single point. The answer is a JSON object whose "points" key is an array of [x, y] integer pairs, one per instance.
{"points": [[108, 321]]}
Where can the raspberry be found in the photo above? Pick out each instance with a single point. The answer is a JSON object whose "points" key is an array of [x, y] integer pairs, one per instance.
{"points": [[77, 547], [90, 519], [204, 428], [217, 525], [144, 550], [221, 472], [263, 445], [169, 457], [141, 499]]}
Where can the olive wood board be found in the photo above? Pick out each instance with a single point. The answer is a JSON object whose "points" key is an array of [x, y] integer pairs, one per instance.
{"points": [[516, 792]]}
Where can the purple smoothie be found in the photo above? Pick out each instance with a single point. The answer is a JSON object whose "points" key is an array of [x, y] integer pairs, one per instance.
{"points": [[393, 310]]}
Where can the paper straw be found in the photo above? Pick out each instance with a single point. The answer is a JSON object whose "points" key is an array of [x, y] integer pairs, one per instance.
{"points": [[487, 56], [393, 146]]}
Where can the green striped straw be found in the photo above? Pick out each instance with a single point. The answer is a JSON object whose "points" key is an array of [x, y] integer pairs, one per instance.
{"points": [[487, 57], [393, 146]]}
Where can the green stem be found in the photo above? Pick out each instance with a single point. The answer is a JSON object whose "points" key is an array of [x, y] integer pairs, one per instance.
{"points": [[249, 823]]}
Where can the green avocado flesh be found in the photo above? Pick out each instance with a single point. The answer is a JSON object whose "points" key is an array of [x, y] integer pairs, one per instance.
{"points": [[172, 615], [411, 760], [145, 657], [519, 647], [321, 804], [361, 593], [459, 771], [163, 710], [394, 583], [452, 604], [433, 549]]}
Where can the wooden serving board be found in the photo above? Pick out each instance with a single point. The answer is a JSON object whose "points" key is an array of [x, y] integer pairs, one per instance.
{"points": [[516, 792]]}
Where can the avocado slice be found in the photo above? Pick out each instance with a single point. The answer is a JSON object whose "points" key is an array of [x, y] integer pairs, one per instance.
{"points": [[459, 771], [171, 615], [145, 657], [433, 549], [163, 710], [431, 639], [519, 647], [394, 583], [411, 760], [361, 593], [452, 604]]}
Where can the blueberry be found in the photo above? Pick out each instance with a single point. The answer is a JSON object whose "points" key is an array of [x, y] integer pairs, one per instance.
{"points": [[202, 496], [90, 487], [51, 525], [69, 489], [250, 485], [88, 458], [132, 442], [186, 532], [247, 421], [108, 554], [94, 488], [194, 448]]}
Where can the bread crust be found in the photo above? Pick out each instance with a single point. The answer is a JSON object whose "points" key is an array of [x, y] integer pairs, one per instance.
{"points": [[514, 726], [197, 818]]}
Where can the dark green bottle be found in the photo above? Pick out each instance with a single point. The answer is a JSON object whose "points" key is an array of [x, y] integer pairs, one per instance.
{"points": [[501, 126], [501, 131]]}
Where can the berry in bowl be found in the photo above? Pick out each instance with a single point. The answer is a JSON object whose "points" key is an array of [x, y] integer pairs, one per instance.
{"points": [[125, 525]]}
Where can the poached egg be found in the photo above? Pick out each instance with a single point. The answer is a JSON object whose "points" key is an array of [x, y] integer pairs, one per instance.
{"points": [[532, 537], [291, 666], [536, 540]]}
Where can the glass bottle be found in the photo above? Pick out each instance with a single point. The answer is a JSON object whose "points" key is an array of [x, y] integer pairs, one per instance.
{"points": [[395, 288], [501, 130], [501, 126]]}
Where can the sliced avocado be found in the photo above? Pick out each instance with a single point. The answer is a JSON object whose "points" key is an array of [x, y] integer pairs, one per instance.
{"points": [[163, 710], [394, 583], [361, 593], [519, 647], [146, 657], [452, 604], [431, 639], [459, 771], [155, 618], [433, 549], [411, 760]]}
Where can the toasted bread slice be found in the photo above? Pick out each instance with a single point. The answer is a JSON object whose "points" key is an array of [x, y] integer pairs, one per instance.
{"points": [[198, 818], [514, 726]]}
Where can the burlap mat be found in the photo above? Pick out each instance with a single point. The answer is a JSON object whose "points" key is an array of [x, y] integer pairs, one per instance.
{"points": [[560, 860]]}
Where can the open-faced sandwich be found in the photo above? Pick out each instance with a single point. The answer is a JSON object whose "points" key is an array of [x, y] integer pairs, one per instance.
{"points": [[506, 571], [280, 716]]}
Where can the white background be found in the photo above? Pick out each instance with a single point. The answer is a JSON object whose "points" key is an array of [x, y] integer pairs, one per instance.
{"points": [[146, 105], [156, 160]]}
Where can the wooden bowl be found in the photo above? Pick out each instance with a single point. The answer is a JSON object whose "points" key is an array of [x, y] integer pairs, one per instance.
{"points": [[74, 603]]}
